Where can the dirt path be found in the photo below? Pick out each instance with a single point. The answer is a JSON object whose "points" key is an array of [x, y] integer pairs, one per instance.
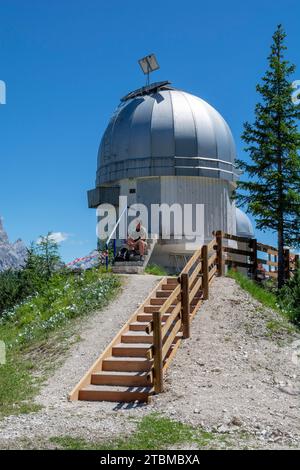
{"points": [[236, 376]]}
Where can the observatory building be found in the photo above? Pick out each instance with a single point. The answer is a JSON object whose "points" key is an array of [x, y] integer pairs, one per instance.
{"points": [[165, 146]]}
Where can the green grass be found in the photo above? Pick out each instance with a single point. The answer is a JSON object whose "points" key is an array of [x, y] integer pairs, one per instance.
{"points": [[266, 298], [37, 333], [279, 327], [153, 433], [156, 270]]}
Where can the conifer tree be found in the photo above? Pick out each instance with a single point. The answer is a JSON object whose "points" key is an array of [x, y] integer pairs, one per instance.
{"points": [[271, 191]]}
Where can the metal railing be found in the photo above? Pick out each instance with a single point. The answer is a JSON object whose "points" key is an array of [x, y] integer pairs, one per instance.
{"points": [[124, 211]]}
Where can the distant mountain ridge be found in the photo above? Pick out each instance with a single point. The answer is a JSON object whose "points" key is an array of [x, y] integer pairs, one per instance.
{"points": [[12, 255]]}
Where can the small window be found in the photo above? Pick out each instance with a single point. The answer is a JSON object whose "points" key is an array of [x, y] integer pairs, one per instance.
{"points": [[132, 191]]}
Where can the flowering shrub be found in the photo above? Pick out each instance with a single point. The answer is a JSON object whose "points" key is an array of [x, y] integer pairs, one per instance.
{"points": [[65, 296]]}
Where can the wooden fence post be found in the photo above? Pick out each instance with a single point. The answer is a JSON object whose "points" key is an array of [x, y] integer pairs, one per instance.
{"points": [[158, 359], [185, 304], [220, 264], [253, 257], [287, 263], [205, 284]]}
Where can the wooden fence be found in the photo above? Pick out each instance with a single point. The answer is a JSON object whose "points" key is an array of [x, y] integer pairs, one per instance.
{"points": [[171, 321], [253, 252]]}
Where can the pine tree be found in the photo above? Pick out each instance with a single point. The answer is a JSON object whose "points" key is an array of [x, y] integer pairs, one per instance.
{"points": [[47, 250], [272, 191]]}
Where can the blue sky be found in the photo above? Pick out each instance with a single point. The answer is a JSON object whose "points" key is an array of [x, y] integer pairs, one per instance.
{"points": [[66, 65]]}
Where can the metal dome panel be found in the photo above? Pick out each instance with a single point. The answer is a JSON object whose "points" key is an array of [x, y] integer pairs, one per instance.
{"points": [[166, 132]]}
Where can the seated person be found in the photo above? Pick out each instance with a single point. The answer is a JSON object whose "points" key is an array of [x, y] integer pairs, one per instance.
{"points": [[137, 239]]}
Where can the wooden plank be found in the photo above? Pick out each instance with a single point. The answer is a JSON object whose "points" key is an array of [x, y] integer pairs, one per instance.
{"points": [[172, 299], [171, 337], [106, 393], [191, 261], [129, 364], [271, 263], [228, 249], [176, 345], [131, 350], [157, 351], [212, 259], [129, 379], [86, 379], [172, 280], [228, 236], [195, 289], [238, 263], [220, 261], [212, 273], [185, 305], [267, 249], [205, 264], [272, 274], [196, 307], [212, 245], [196, 271], [171, 319]]}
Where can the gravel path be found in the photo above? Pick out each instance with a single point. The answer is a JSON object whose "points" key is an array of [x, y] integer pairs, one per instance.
{"points": [[232, 377]]}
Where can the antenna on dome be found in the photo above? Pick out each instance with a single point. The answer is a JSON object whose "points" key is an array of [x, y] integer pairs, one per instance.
{"points": [[148, 64]]}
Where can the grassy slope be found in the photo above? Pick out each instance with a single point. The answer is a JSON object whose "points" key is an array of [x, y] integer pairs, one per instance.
{"points": [[153, 432], [37, 332], [267, 299], [259, 293]]}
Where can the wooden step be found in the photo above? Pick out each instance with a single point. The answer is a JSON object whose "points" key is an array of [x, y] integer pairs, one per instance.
{"points": [[155, 301], [147, 317], [137, 337], [162, 294], [136, 379], [128, 364], [132, 350], [173, 281], [115, 393], [138, 326], [154, 308], [168, 287]]}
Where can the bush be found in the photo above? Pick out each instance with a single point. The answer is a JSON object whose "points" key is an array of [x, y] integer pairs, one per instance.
{"points": [[64, 296], [289, 298], [41, 264]]}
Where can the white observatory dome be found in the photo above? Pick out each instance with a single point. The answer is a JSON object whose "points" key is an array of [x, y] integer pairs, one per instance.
{"points": [[162, 131], [244, 227]]}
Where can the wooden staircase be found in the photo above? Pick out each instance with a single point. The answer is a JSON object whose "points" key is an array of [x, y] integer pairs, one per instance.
{"points": [[132, 366]]}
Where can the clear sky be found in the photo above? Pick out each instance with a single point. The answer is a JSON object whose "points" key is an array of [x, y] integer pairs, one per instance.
{"points": [[67, 63]]}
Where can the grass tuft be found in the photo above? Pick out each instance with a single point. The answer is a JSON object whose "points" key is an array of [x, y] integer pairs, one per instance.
{"points": [[155, 270], [153, 433], [268, 299]]}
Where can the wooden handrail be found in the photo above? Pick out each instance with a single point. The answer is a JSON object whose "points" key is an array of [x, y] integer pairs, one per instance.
{"points": [[191, 261], [171, 319], [185, 305], [157, 353]]}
